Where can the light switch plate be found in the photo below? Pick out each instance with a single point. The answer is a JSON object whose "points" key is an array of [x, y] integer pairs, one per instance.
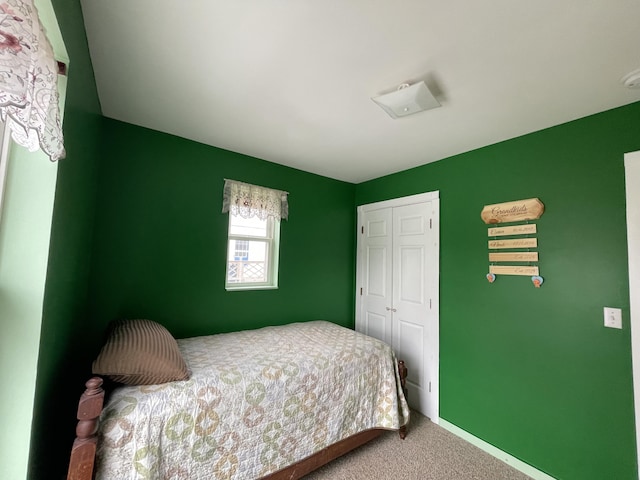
{"points": [[612, 317]]}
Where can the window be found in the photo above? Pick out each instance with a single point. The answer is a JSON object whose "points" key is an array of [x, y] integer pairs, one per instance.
{"points": [[254, 235], [252, 252]]}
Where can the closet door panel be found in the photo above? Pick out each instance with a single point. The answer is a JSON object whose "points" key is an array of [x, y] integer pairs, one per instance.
{"points": [[375, 325], [410, 337], [410, 297], [411, 274], [375, 272]]}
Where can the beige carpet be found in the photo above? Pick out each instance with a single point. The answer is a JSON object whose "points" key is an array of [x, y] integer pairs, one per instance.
{"points": [[428, 453]]}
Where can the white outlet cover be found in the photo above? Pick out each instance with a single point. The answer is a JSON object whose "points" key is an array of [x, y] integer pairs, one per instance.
{"points": [[612, 317]]}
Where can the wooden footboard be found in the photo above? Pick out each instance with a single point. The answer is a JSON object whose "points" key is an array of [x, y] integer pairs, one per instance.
{"points": [[83, 452]]}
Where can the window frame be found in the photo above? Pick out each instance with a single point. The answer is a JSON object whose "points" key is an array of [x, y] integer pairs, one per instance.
{"points": [[272, 239], [5, 136]]}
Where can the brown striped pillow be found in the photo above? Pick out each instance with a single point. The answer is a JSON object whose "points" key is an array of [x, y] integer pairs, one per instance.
{"points": [[140, 352]]}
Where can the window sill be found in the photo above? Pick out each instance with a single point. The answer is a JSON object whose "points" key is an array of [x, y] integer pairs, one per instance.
{"points": [[250, 287]]}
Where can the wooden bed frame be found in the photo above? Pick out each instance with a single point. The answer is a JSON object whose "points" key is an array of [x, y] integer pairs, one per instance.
{"points": [[83, 452]]}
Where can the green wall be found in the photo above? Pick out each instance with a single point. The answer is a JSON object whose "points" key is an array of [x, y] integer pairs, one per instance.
{"points": [[160, 245], [67, 335], [533, 371]]}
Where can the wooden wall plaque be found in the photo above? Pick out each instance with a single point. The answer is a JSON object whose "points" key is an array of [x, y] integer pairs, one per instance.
{"points": [[514, 243], [529, 209], [514, 230], [514, 257], [513, 270]]}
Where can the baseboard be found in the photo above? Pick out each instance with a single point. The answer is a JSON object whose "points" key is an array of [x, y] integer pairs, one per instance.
{"points": [[496, 452]]}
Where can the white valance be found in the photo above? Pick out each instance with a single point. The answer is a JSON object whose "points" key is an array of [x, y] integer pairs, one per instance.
{"points": [[28, 80], [248, 201]]}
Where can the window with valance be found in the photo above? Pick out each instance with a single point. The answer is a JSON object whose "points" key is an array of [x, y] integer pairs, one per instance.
{"points": [[254, 234]]}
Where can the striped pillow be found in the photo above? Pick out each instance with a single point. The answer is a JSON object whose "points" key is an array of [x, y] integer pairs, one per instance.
{"points": [[140, 352]]}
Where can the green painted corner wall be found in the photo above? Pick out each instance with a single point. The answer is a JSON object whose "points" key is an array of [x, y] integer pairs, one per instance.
{"points": [[160, 244], [533, 371], [67, 335]]}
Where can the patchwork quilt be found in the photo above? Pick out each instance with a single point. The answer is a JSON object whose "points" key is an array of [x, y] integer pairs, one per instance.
{"points": [[257, 401]]}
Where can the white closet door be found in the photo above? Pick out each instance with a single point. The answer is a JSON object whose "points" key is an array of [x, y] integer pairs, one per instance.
{"points": [[398, 289], [376, 267], [411, 299]]}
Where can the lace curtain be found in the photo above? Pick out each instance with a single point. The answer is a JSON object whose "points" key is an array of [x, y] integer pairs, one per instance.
{"points": [[249, 201], [28, 80]]}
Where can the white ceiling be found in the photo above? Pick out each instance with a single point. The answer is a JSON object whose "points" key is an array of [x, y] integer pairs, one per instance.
{"points": [[291, 81]]}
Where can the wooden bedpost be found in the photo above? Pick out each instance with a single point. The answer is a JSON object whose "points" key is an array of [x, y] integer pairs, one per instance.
{"points": [[403, 371], [83, 452]]}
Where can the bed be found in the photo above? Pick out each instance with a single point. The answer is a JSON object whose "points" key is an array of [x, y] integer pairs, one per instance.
{"points": [[272, 403]]}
